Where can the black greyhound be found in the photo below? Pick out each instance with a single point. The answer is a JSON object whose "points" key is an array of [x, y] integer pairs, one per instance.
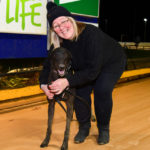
{"points": [[60, 64]]}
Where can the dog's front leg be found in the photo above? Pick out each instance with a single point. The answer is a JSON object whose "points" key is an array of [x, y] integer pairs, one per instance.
{"points": [[51, 108], [68, 121]]}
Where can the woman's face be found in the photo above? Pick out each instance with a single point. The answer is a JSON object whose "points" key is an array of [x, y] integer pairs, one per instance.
{"points": [[63, 27]]}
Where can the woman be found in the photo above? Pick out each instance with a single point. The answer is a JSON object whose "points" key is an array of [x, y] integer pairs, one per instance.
{"points": [[98, 62]]}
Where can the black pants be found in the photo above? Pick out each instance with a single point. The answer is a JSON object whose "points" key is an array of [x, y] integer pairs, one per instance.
{"points": [[102, 88]]}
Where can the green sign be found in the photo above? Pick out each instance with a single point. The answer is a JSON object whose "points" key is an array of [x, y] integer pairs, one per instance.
{"points": [[81, 7]]}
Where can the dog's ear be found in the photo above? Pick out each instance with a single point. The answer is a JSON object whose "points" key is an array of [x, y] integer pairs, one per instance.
{"points": [[51, 47], [50, 50]]}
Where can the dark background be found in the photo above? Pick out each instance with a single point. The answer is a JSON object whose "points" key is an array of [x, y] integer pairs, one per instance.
{"points": [[124, 19]]}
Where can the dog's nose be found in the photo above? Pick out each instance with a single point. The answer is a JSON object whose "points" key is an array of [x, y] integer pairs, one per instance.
{"points": [[61, 66]]}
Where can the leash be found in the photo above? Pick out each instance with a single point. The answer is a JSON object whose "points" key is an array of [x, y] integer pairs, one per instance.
{"points": [[79, 97], [69, 92], [84, 101], [61, 105], [58, 101]]}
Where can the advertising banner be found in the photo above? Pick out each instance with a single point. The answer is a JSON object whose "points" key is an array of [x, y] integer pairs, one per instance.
{"points": [[23, 16]]}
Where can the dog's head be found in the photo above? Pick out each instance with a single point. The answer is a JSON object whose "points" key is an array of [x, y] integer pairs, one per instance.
{"points": [[60, 59]]}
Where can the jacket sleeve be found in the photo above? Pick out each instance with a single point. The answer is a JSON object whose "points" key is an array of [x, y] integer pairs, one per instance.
{"points": [[43, 79], [93, 61]]}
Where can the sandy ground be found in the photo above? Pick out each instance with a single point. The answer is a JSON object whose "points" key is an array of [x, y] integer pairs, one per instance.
{"points": [[130, 124]]}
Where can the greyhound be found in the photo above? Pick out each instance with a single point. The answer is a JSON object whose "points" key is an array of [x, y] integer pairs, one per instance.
{"points": [[60, 66]]}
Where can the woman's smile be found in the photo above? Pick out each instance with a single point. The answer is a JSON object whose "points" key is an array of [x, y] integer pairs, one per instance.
{"points": [[63, 27]]}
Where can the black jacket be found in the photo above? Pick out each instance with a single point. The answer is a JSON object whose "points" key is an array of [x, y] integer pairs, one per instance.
{"points": [[92, 53]]}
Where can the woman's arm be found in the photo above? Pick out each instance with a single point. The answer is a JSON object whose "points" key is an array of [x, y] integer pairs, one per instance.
{"points": [[92, 59]]}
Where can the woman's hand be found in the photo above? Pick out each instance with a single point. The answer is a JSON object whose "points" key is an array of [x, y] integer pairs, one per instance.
{"points": [[59, 85], [47, 92]]}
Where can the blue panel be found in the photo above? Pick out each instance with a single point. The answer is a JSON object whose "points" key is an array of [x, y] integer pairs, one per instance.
{"points": [[29, 46], [85, 19], [22, 46]]}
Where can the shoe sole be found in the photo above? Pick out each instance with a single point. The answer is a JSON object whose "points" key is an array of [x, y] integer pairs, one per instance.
{"points": [[102, 143], [78, 142]]}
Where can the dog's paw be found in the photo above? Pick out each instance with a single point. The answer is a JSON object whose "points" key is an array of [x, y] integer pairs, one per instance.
{"points": [[63, 147], [44, 145]]}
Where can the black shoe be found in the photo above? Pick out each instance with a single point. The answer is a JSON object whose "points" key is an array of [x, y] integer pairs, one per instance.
{"points": [[81, 136], [82, 133], [103, 137]]}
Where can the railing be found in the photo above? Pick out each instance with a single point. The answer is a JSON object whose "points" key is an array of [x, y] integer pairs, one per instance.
{"points": [[135, 46]]}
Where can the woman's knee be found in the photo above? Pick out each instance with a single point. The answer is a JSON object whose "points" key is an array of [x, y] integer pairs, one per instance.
{"points": [[103, 92]]}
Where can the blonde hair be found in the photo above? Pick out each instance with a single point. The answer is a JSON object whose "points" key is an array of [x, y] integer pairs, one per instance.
{"points": [[78, 28]]}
